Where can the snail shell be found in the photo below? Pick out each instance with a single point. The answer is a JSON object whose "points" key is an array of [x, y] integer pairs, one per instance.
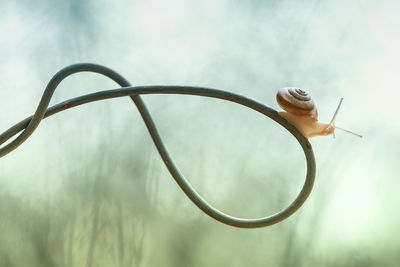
{"points": [[296, 101], [300, 110]]}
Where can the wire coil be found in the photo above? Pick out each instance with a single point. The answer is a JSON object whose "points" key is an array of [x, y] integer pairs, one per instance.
{"points": [[27, 126]]}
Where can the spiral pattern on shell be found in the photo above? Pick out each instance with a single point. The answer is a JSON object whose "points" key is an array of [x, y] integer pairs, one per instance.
{"points": [[296, 101]]}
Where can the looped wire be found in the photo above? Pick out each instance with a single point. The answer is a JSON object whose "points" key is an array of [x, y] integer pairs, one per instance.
{"points": [[28, 125]]}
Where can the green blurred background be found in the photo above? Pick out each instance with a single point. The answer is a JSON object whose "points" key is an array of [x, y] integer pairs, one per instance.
{"points": [[89, 189]]}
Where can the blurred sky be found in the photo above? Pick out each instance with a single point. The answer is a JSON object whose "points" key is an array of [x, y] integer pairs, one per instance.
{"points": [[333, 49]]}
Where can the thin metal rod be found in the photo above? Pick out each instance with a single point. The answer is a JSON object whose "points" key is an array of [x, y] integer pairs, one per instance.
{"points": [[28, 125]]}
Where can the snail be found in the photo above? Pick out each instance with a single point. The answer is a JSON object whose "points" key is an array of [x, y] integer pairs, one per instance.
{"points": [[301, 112]]}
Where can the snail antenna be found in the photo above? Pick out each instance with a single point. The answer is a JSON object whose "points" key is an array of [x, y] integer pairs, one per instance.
{"points": [[347, 131], [336, 112], [332, 123]]}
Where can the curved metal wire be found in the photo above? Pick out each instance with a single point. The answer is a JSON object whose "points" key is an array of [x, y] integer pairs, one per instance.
{"points": [[28, 125]]}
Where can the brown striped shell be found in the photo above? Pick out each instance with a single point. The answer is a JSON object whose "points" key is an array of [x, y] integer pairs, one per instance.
{"points": [[296, 101]]}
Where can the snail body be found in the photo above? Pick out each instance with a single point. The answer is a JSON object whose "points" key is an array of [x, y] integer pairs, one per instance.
{"points": [[301, 112]]}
